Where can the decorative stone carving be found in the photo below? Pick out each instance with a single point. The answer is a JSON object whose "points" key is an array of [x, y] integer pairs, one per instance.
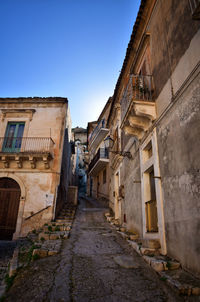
{"points": [[46, 162], [19, 161], [32, 161], [138, 118], [18, 113]]}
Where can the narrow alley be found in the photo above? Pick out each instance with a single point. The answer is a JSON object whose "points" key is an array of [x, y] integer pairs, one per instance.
{"points": [[87, 269]]}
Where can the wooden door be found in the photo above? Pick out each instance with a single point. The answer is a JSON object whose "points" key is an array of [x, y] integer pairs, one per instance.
{"points": [[9, 205]]}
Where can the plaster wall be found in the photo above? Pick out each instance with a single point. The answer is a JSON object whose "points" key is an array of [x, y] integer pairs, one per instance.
{"points": [[47, 119], [132, 205], [171, 20], [178, 145], [103, 190]]}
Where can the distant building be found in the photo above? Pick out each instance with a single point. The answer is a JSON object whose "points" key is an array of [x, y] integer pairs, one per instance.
{"points": [[98, 169], [34, 162], [80, 158]]}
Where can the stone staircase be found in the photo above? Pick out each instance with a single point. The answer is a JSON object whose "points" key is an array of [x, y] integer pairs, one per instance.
{"points": [[40, 243], [169, 269], [47, 240]]}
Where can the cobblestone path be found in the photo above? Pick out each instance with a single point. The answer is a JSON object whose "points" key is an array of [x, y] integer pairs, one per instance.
{"points": [[86, 269]]}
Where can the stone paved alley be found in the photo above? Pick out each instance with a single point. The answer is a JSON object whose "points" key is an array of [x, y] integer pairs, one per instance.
{"points": [[86, 268]]}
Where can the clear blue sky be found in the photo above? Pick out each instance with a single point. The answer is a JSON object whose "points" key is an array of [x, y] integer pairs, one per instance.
{"points": [[69, 48]]}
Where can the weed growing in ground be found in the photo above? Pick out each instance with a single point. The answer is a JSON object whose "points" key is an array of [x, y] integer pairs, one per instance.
{"points": [[42, 239], [9, 281], [25, 257], [2, 299], [168, 265], [50, 228], [35, 257], [163, 278]]}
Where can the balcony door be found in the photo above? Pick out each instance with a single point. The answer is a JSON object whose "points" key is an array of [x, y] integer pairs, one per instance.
{"points": [[13, 137]]}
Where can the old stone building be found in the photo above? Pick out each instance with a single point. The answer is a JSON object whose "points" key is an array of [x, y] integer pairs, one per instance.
{"points": [[154, 131], [80, 158], [98, 169], [33, 136]]}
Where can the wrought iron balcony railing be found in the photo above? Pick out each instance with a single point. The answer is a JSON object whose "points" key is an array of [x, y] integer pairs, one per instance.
{"points": [[26, 145], [100, 125], [102, 153], [138, 88], [195, 8]]}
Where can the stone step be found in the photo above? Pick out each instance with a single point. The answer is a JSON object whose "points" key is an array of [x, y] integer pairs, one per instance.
{"points": [[149, 243], [159, 264], [65, 217], [52, 236], [124, 235], [61, 223], [133, 236], [183, 282], [64, 220], [149, 252], [56, 228]]}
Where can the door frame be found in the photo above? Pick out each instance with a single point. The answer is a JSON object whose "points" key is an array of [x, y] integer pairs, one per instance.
{"points": [[153, 161], [21, 202]]}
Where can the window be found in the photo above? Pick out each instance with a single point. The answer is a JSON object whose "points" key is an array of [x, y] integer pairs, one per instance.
{"points": [[152, 200], [104, 176], [147, 152], [148, 163], [13, 137], [151, 206]]}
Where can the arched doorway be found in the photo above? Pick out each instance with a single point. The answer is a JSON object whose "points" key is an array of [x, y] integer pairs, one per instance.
{"points": [[9, 205]]}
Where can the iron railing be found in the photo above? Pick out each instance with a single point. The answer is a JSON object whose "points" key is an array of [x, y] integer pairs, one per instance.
{"points": [[96, 130], [140, 88], [26, 145], [195, 8], [102, 153]]}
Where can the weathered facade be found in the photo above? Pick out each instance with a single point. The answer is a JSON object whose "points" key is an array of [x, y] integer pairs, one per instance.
{"points": [[98, 169], [33, 134], [155, 115]]}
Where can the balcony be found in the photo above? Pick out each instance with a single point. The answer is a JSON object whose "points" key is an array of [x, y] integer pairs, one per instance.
{"points": [[138, 106], [195, 9], [99, 161], [20, 149], [98, 134]]}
